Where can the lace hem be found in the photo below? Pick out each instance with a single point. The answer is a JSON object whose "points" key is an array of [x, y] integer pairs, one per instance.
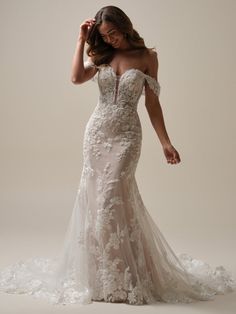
{"points": [[37, 277]]}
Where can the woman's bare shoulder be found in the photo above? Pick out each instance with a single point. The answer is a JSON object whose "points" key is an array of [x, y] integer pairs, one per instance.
{"points": [[151, 56], [151, 60]]}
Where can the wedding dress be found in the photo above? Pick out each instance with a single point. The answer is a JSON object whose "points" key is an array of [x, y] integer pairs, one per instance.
{"points": [[113, 251]]}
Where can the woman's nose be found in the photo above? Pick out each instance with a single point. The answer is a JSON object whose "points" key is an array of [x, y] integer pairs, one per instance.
{"points": [[110, 40]]}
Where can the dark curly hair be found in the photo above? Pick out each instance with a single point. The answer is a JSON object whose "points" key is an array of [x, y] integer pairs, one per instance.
{"points": [[100, 51]]}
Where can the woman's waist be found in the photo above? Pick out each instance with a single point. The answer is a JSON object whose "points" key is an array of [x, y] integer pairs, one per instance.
{"points": [[114, 122], [115, 111]]}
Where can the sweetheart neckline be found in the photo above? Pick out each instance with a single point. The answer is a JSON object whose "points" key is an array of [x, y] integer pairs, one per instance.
{"points": [[107, 65], [121, 75]]}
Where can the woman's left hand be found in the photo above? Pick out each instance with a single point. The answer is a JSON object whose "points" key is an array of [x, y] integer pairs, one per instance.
{"points": [[171, 154]]}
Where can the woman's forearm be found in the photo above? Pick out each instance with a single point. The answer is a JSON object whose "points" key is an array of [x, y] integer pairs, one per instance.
{"points": [[157, 120], [78, 61]]}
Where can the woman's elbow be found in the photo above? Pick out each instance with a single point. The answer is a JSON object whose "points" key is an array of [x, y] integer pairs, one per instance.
{"points": [[76, 80]]}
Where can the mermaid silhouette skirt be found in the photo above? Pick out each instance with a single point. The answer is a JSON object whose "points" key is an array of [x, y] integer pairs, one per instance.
{"points": [[113, 251]]}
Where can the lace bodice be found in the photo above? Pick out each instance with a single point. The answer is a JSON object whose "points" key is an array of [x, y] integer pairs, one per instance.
{"points": [[124, 89]]}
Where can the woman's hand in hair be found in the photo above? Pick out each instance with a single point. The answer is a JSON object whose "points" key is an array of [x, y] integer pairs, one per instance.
{"points": [[85, 28]]}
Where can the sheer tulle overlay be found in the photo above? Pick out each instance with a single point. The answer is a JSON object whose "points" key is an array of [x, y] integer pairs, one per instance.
{"points": [[113, 251]]}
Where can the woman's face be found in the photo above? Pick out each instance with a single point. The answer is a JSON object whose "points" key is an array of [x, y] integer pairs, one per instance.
{"points": [[111, 35]]}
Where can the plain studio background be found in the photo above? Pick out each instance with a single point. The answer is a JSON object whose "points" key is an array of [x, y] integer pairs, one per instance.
{"points": [[43, 116]]}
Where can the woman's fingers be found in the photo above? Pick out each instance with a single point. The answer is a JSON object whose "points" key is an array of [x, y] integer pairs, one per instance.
{"points": [[91, 21], [174, 160]]}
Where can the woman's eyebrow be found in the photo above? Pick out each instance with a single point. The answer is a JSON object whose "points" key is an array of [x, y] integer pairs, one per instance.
{"points": [[110, 30]]}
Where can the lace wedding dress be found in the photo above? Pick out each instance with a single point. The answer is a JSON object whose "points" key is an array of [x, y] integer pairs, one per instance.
{"points": [[113, 251]]}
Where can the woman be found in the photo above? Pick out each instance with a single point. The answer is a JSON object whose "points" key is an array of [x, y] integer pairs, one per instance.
{"points": [[113, 251]]}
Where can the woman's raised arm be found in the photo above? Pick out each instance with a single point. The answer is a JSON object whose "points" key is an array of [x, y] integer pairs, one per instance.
{"points": [[80, 73]]}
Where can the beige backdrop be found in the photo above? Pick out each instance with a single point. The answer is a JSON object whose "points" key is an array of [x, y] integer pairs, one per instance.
{"points": [[43, 116]]}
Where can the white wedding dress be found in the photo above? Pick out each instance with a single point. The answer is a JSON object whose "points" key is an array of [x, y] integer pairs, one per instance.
{"points": [[113, 251]]}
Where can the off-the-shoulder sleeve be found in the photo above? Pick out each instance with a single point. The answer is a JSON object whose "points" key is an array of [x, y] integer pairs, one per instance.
{"points": [[89, 63], [153, 84]]}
